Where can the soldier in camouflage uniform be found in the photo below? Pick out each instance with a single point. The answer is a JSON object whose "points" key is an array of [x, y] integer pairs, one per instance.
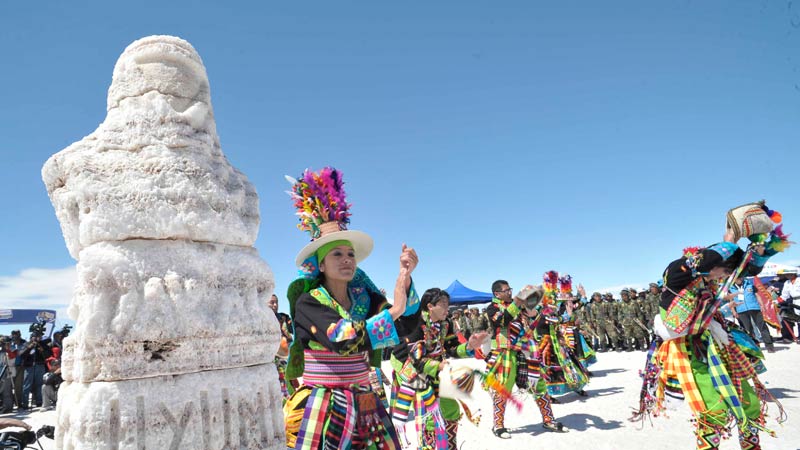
{"points": [[644, 313], [597, 333], [461, 324], [633, 293], [582, 320], [605, 318], [633, 333], [477, 321], [651, 301]]}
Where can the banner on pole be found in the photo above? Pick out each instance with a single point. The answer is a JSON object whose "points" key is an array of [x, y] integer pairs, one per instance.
{"points": [[766, 304]]}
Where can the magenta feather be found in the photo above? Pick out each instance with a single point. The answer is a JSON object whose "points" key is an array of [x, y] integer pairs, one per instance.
{"points": [[319, 197]]}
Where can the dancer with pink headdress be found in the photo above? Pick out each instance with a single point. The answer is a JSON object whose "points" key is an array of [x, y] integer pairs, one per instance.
{"points": [[341, 323]]}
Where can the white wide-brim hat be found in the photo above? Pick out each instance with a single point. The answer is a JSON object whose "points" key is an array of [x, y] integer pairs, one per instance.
{"points": [[362, 244]]}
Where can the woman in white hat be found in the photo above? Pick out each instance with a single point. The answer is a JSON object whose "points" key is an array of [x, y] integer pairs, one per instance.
{"points": [[341, 323]]}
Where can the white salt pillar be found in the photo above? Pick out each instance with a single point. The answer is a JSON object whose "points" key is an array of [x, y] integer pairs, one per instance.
{"points": [[174, 343]]}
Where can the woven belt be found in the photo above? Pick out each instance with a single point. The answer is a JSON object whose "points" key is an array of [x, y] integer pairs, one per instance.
{"points": [[323, 368]]}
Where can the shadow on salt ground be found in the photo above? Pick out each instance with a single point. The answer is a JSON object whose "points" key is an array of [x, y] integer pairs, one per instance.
{"points": [[782, 393], [604, 372], [571, 397], [573, 422], [20, 414], [779, 348]]}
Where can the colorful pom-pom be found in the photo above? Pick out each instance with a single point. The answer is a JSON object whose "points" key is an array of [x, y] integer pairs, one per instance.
{"points": [[691, 251]]}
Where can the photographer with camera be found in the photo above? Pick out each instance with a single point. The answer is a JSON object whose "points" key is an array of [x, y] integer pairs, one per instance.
{"points": [[33, 362]]}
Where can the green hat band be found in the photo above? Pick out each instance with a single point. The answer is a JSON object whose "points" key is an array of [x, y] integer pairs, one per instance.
{"points": [[323, 251]]}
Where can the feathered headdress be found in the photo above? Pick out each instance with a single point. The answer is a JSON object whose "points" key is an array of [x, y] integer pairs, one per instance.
{"points": [[550, 286], [776, 240], [319, 198], [323, 211], [565, 286]]}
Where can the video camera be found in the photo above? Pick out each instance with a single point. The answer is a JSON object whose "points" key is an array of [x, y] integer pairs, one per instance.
{"points": [[38, 329], [65, 331]]}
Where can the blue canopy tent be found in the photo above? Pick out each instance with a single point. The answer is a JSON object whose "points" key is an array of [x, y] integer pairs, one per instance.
{"points": [[462, 295]]}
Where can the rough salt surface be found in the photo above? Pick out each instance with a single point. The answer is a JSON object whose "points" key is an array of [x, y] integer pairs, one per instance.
{"points": [[226, 409], [174, 343], [154, 168], [147, 308]]}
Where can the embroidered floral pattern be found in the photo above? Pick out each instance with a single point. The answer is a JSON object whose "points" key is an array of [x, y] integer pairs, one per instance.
{"points": [[382, 329], [309, 268], [382, 332]]}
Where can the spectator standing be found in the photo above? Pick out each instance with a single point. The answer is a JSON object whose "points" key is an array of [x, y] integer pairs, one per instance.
{"points": [[461, 326], [6, 380], [749, 312], [789, 294], [16, 346], [593, 308], [282, 356], [33, 361], [57, 340], [606, 317], [652, 300], [477, 321]]}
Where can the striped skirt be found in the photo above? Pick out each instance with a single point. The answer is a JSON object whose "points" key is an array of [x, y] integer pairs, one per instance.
{"points": [[336, 408]]}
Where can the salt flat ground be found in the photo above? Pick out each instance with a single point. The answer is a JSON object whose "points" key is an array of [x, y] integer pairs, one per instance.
{"points": [[600, 421]]}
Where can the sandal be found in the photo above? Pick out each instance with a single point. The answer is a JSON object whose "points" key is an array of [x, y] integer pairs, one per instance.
{"points": [[502, 433], [554, 426]]}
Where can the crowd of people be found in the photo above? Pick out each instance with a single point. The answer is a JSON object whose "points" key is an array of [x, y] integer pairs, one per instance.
{"points": [[626, 324], [539, 341], [510, 321], [607, 323], [701, 326], [30, 370]]}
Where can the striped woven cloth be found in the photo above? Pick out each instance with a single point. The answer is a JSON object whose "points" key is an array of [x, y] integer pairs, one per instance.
{"points": [[328, 369]]}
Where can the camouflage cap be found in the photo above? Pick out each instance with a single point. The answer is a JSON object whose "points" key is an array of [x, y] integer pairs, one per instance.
{"points": [[655, 285]]}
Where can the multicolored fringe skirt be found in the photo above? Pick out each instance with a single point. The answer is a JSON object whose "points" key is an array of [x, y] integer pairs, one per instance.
{"points": [[336, 408], [421, 403], [578, 345], [501, 366], [561, 369], [718, 380]]}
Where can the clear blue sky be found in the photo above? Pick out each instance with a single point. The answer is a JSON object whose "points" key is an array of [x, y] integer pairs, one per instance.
{"points": [[500, 139]]}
